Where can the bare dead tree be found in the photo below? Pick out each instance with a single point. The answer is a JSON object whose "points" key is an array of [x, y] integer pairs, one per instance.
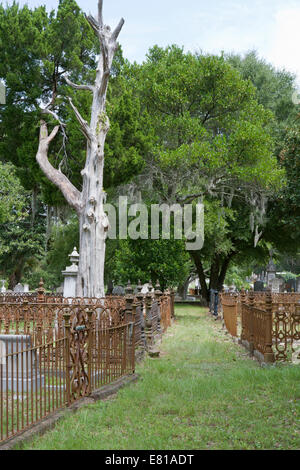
{"points": [[89, 203]]}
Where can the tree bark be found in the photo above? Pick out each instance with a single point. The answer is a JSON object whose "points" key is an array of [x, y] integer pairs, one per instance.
{"points": [[89, 204], [16, 275], [33, 206], [200, 271], [217, 275], [183, 289], [214, 273], [224, 270]]}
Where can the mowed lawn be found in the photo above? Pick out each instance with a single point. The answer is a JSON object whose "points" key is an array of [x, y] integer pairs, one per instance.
{"points": [[204, 392]]}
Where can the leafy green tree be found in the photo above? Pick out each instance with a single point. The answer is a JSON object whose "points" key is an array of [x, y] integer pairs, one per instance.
{"points": [[12, 194], [20, 242], [63, 237], [274, 89], [36, 49], [160, 260], [215, 143]]}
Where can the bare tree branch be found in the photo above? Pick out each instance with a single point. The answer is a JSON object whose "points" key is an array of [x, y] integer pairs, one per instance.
{"points": [[100, 13], [79, 87], [71, 194], [117, 31], [84, 125], [93, 23]]}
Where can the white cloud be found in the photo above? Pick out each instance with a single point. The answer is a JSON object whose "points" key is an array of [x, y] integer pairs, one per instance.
{"points": [[285, 50]]}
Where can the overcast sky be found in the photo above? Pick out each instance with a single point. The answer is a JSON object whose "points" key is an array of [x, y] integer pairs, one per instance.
{"points": [[272, 27]]}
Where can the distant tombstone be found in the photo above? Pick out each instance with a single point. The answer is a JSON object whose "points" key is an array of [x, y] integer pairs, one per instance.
{"points": [[19, 289], [258, 286], [118, 290], [271, 270], [60, 289], [275, 284], [291, 285], [3, 288], [145, 289], [70, 275], [26, 288], [19, 369]]}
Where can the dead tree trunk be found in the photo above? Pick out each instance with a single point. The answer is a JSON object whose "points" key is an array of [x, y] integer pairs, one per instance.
{"points": [[89, 204]]}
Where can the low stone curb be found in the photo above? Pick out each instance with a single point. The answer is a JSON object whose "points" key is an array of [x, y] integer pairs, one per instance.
{"points": [[49, 423]]}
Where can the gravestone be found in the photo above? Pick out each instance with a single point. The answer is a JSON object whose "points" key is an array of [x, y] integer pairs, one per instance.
{"points": [[291, 285], [258, 286], [26, 288], [275, 284], [3, 288], [70, 275], [19, 369], [19, 289], [60, 289], [118, 290], [145, 289]]}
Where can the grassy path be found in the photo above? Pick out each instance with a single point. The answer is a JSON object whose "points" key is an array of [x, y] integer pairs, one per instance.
{"points": [[202, 393]]}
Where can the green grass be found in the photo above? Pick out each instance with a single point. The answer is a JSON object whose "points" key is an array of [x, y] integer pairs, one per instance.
{"points": [[204, 392]]}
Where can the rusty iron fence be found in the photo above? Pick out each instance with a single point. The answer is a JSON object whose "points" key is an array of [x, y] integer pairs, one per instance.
{"points": [[167, 314], [54, 350], [41, 372], [269, 323], [230, 314]]}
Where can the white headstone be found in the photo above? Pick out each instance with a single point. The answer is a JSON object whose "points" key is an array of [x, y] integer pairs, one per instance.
{"points": [[145, 289], [275, 284], [70, 275], [19, 288]]}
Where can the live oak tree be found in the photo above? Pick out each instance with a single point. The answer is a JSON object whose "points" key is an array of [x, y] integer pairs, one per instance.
{"points": [[20, 242], [88, 203], [215, 143]]}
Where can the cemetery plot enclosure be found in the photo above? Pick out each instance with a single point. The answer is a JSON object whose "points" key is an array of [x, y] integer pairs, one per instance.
{"points": [[54, 351], [267, 324]]}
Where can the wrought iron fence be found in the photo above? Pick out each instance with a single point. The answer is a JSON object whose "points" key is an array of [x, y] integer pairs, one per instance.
{"points": [[54, 354], [166, 311], [270, 323], [54, 351], [230, 314], [32, 382]]}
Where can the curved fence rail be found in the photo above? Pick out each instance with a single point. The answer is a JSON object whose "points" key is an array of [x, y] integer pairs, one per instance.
{"points": [[269, 322]]}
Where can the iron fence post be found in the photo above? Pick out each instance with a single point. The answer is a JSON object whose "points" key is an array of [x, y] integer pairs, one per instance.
{"points": [[140, 299], [67, 316], [269, 355], [148, 322], [251, 323], [172, 295], [129, 298], [90, 349], [243, 302], [158, 295], [41, 292]]}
